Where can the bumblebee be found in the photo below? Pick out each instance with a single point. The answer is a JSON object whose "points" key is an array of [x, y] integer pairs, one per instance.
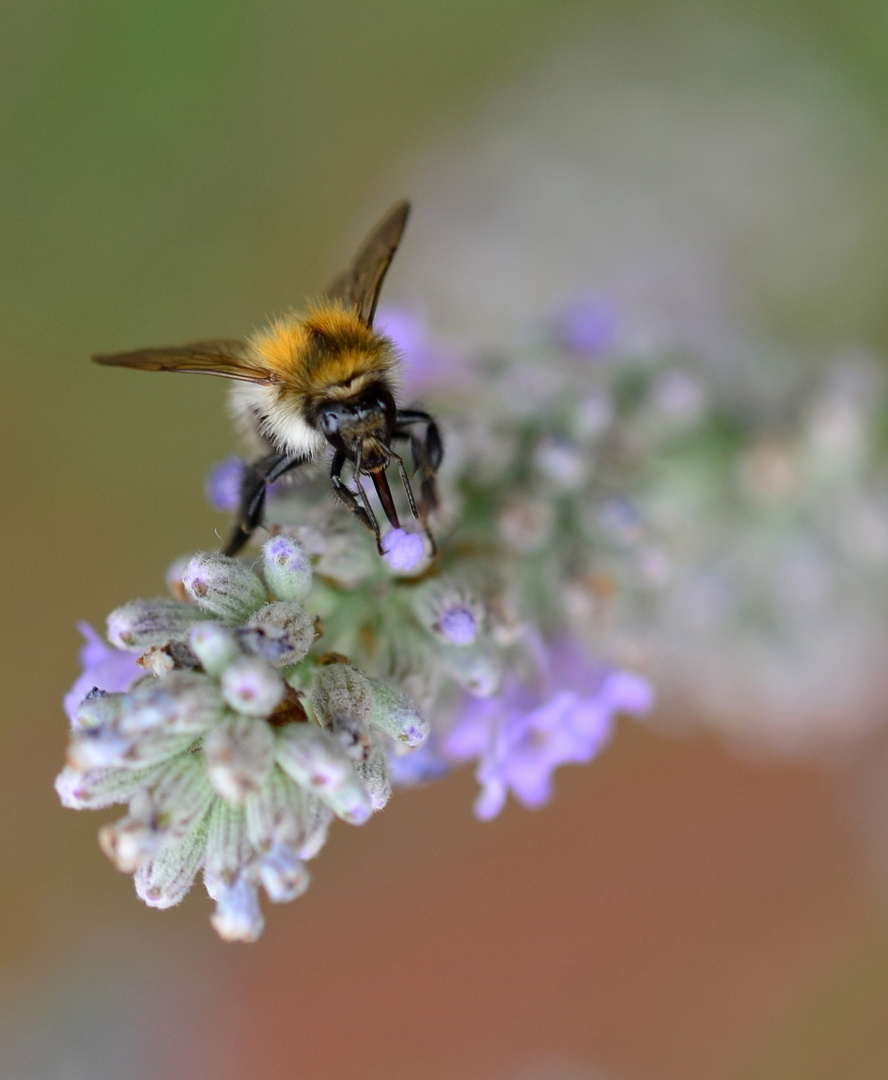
{"points": [[315, 378]]}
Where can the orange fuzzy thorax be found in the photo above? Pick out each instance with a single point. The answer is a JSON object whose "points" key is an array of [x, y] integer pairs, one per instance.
{"points": [[326, 352]]}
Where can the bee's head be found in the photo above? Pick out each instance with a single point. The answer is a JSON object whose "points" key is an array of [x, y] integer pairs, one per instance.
{"points": [[366, 420]]}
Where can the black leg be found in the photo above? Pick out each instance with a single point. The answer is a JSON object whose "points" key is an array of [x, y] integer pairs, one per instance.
{"points": [[427, 450], [253, 489], [359, 507]]}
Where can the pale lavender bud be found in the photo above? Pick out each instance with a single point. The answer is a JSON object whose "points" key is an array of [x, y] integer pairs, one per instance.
{"points": [[177, 798], [403, 551], [288, 630], [458, 625], [94, 788], [286, 569], [449, 610], [351, 801], [397, 714], [252, 687], [352, 734], [164, 880], [228, 847], [317, 826], [283, 874], [214, 645], [130, 842], [374, 771], [237, 916], [342, 699], [239, 755], [312, 757], [97, 748], [182, 703], [278, 812], [223, 587], [142, 623], [98, 710]]}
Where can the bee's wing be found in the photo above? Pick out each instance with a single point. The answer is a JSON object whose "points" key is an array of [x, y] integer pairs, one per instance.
{"points": [[358, 286], [228, 359]]}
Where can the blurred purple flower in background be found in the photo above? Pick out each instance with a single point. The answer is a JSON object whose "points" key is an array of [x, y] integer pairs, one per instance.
{"points": [[587, 325], [426, 363], [104, 668], [523, 734]]}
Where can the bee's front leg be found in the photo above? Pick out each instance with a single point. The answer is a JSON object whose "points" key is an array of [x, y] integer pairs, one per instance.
{"points": [[253, 490], [364, 514]]}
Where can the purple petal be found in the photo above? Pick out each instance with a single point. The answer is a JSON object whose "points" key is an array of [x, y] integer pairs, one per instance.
{"points": [[108, 669]]}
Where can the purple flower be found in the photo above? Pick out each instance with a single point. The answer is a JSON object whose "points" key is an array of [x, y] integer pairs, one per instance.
{"points": [[523, 734], [587, 325], [403, 551], [108, 669], [223, 484]]}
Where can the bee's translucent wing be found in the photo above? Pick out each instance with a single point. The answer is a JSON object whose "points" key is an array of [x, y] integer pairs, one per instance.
{"points": [[227, 359], [358, 286]]}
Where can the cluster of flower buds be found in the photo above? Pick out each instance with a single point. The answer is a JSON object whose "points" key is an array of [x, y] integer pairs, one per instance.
{"points": [[232, 747]]}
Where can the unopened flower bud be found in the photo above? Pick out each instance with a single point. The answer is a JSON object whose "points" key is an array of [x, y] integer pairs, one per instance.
{"points": [[395, 713], [279, 812], [252, 687], [164, 880], [289, 628], [317, 826], [214, 645], [182, 703], [94, 788], [312, 757], [142, 623], [97, 748], [223, 587], [343, 701], [374, 771], [286, 569], [283, 874], [129, 842], [98, 709], [239, 755], [237, 916], [177, 798]]}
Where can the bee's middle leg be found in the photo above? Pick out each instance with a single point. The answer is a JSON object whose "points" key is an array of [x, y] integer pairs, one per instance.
{"points": [[253, 491]]}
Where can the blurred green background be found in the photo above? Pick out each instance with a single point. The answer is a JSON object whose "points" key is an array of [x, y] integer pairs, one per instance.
{"points": [[170, 171]]}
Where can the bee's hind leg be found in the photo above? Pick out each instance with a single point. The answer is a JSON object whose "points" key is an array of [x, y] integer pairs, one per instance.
{"points": [[427, 450], [253, 490], [363, 512]]}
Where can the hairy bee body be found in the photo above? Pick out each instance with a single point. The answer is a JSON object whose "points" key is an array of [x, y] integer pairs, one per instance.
{"points": [[321, 378], [327, 354]]}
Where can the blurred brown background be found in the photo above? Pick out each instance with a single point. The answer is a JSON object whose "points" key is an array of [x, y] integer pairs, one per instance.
{"points": [[171, 171]]}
